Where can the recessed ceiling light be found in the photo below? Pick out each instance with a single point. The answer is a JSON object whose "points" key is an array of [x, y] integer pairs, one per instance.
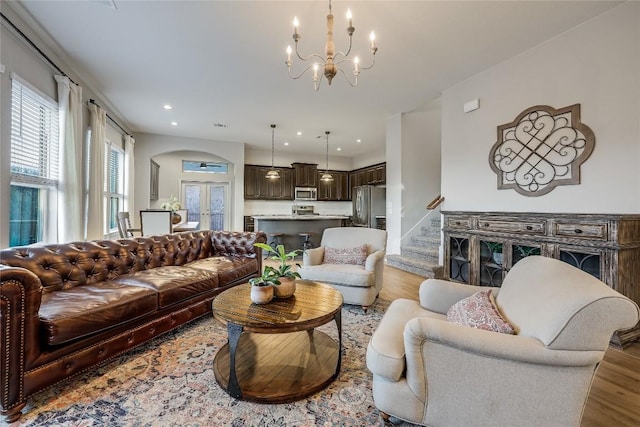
{"points": [[358, 141], [167, 107], [299, 133], [174, 123], [286, 143], [338, 149]]}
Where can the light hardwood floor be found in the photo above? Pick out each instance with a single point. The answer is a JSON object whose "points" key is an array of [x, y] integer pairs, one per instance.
{"points": [[614, 399]]}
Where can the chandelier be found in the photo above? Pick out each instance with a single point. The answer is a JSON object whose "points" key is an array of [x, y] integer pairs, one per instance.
{"points": [[272, 174], [332, 60], [326, 176]]}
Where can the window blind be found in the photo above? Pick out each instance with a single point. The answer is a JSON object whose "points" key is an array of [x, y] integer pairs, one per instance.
{"points": [[34, 137]]}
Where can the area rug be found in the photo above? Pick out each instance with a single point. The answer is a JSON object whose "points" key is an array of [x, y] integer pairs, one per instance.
{"points": [[170, 382]]}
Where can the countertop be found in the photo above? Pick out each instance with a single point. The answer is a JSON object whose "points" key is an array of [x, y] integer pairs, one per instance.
{"points": [[298, 217]]}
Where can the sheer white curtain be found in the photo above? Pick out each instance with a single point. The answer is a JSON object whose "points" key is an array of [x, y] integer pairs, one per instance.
{"points": [[129, 174], [70, 215], [95, 171]]}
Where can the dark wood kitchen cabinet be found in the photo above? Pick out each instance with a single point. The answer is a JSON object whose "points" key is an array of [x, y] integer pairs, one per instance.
{"points": [[258, 187], [336, 190], [306, 174], [371, 175]]}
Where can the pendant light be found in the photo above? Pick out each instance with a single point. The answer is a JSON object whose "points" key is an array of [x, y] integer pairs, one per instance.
{"points": [[272, 174], [326, 176]]}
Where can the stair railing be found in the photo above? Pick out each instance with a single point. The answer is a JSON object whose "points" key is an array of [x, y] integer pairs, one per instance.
{"points": [[435, 202]]}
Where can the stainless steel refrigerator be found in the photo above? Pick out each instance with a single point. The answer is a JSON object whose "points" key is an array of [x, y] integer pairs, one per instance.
{"points": [[368, 202]]}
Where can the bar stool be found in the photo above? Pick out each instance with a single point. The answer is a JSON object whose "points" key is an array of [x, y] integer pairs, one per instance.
{"points": [[274, 239], [306, 243]]}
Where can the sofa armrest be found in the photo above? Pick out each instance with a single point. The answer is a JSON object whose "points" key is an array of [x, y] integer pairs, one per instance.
{"points": [[373, 259], [313, 256], [435, 350], [439, 295], [20, 299]]}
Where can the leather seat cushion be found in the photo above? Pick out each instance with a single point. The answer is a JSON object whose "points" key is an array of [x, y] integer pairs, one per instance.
{"points": [[73, 313], [342, 274], [173, 284], [229, 270]]}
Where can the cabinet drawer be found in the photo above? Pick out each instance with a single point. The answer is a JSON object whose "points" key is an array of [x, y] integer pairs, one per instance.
{"points": [[463, 223], [584, 231], [520, 227]]}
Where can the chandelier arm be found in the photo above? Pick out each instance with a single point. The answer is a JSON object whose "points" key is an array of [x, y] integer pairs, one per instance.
{"points": [[352, 84], [316, 83], [313, 55], [299, 75], [348, 50], [373, 62]]}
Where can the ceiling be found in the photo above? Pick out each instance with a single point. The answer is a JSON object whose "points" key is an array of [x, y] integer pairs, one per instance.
{"points": [[222, 62]]}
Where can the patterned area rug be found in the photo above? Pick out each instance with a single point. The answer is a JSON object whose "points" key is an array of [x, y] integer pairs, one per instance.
{"points": [[170, 382]]}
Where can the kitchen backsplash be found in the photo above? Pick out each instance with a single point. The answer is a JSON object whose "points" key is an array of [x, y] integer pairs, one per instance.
{"points": [[278, 207]]}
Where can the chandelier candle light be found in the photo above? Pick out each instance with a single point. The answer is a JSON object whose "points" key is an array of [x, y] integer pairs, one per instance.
{"points": [[272, 174], [330, 62], [326, 176]]}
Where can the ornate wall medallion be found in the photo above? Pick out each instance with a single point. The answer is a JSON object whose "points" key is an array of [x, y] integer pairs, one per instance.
{"points": [[541, 149]]}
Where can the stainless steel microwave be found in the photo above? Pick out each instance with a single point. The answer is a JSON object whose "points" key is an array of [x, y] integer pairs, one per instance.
{"points": [[306, 193]]}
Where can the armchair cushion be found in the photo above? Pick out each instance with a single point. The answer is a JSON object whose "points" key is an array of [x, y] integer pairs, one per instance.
{"points": [[479, 311], [344, 274], [356, 255]]}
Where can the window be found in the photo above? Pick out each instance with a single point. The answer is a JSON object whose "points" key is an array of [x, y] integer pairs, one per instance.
{"points": [[113, 186], [34, 165], [206, 167]]}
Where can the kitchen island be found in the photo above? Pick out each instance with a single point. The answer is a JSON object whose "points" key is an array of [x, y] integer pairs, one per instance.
{"points": [[292, 225]]}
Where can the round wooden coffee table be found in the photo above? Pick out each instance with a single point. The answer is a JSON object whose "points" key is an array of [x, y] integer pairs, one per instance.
{"points": [[273, 353]]}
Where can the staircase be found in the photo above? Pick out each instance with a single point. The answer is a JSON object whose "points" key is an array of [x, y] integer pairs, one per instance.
{"points": [[421, 255]]}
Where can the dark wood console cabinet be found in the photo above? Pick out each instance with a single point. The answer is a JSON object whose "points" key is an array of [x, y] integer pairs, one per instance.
{"points": [[480, 248]]}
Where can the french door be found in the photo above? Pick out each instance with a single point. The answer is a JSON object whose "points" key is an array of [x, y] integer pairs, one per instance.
{"points": [[207, 203]]}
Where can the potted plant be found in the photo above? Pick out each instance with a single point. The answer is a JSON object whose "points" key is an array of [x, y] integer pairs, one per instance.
{"points": [[285, 283], [262, 286], [173, 205]]}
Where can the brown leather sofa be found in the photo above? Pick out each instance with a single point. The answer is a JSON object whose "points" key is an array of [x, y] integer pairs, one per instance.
{"points": [[66, 308]]}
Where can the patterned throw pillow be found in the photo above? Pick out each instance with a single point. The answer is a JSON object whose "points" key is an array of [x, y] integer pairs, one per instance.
{"points": [[479, 311], [357, 255]]}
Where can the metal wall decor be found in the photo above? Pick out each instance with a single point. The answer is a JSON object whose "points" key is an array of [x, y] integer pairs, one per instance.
{"points": [[541, 149]]}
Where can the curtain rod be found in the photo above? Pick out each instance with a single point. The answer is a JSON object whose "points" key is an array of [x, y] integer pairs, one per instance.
{"points": [[50, 61], [91, 101], [34, 46]]}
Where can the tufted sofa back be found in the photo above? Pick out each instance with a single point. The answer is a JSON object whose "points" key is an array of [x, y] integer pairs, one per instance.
{"points": [[65, 266]]}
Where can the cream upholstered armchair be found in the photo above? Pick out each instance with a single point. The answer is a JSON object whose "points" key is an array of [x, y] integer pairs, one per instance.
{"points": [[351, 259], [431, 371]]}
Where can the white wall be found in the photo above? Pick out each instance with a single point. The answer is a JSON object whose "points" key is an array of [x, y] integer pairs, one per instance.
{"points": [[596, 64], [282, 158], [149, 146], [413, 169], [17, 57], [369, 157], [394, 183], [420, 162]]}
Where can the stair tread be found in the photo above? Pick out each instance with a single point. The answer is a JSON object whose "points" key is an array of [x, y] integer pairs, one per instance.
{"points": [[413, 261], [421, 249]]}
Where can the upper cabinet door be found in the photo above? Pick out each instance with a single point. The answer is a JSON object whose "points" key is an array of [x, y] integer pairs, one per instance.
{"points": [[306, 174]]}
